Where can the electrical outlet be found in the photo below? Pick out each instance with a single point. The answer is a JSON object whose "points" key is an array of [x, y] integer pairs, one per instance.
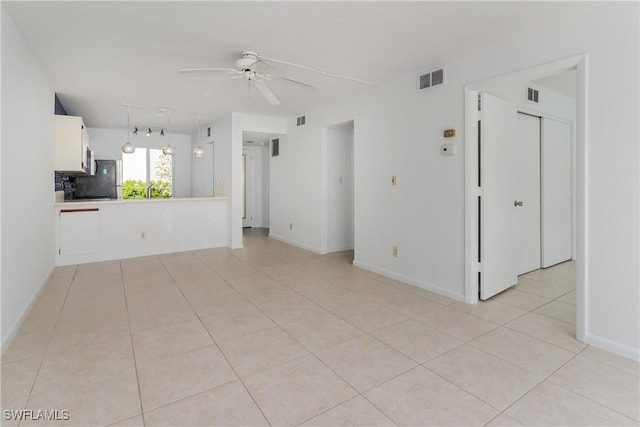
{"points": [[395, 251], [290, 226], [143, 234], [394, 180]]}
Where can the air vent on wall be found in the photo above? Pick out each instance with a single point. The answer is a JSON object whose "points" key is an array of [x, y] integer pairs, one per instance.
{"points": [[532, 95], [300, 121], [431, 78]]}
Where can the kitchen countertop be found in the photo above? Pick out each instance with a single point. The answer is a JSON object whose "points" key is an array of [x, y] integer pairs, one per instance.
{"points": [[134, 201]]}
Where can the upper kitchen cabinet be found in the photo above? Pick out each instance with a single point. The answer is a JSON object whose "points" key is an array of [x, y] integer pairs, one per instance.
{"points": [[71, 145]]}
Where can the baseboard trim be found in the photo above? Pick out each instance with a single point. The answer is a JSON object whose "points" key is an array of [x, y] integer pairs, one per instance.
{"points": [[7, 340], [296, 244], [613, 347], [410, 280]]}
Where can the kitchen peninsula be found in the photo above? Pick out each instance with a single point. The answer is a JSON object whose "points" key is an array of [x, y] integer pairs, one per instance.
{"points": [[107, 230]]}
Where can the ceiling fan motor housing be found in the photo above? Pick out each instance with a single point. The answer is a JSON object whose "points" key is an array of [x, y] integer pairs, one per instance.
{"points": [[248, 59]]}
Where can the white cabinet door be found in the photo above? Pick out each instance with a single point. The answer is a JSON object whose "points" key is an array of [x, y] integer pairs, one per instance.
{"points": [[498, 165], [556, 192], [79, 231], [70, 143]]}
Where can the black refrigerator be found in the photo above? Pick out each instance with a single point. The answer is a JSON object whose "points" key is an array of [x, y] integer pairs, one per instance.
{"points": [[105, 184]]}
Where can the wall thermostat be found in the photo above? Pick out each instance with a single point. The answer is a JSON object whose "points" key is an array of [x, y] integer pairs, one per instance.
{"points": [[447, 149]]}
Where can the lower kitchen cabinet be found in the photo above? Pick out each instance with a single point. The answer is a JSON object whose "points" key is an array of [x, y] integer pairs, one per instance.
{"points": [[79, 231]]}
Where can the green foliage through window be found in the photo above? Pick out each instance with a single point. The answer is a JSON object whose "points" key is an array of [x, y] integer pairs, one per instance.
{"points": [[132, 189]]}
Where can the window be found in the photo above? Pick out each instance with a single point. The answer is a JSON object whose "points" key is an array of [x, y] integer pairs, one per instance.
{"points": [[147, 167]]}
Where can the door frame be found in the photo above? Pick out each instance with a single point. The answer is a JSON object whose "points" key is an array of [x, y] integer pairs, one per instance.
{"points": [[471, 91]]}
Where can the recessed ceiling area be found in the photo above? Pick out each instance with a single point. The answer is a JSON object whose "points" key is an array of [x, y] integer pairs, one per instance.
{"points": [[564, 83], [256, 139], [98, 55]]}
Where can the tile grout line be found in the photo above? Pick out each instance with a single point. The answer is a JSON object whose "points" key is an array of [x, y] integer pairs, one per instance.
{"points": [[216, 344], [313, 353], [53, 330], [133, 349]]}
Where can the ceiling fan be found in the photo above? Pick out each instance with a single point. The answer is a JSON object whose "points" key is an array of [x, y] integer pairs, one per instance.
{"points": [[249, 67]]}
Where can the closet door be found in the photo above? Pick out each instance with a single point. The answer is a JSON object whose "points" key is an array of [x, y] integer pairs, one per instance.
{"points": [[556, 192]]}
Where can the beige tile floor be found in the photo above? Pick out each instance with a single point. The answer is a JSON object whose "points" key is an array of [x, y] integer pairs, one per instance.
{"points": [[273, 335]]}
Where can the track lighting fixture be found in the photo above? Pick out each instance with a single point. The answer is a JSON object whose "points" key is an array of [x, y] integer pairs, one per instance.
{"points": [[168, 149]]}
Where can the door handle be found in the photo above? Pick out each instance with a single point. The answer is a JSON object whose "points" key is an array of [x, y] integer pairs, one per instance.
{"points": [[517, 203]]}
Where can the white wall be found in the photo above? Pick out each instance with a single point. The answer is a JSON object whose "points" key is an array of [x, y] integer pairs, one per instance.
{"points": [[107, 144], [27, 179], [221, 132], [399, 131], [339, 147]]}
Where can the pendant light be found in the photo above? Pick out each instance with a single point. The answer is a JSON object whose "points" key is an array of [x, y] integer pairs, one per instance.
{"points": [[128, 148], [168, 150], [198, 151]]}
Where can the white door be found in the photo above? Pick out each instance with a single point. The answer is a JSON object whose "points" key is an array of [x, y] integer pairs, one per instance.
{"points": [[556, 192], [247, 167], [527, 237], [498, 167]]}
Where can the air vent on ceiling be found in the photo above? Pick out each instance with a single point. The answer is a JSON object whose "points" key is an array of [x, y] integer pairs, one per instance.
{"points": [[300, 121], [532, 95], [431, 78]]}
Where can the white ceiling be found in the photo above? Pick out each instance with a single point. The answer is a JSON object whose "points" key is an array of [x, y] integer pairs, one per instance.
{"points": [[98, 55]]}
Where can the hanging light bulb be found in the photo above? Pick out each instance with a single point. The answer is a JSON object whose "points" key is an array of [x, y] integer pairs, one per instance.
{"points": [[161, 132], [149, 132], [198, 151], [129, 148], [168, 150], [135, 131]]}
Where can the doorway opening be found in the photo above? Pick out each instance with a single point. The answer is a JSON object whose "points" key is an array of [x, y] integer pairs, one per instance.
{"points": [[339, 235], [256, 182], [488, 249]]}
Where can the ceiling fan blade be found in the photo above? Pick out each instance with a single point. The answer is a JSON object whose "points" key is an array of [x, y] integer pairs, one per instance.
{"points": [[293, 83], [197, 70], [317, 70], [266, 92]]}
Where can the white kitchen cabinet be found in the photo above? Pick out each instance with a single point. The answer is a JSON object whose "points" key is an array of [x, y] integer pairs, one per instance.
{"points": [[79, 231], [71, 144]]}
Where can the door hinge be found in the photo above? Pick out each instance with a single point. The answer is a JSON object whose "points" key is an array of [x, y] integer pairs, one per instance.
{"points": [[59, 251], [479, 102]]}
